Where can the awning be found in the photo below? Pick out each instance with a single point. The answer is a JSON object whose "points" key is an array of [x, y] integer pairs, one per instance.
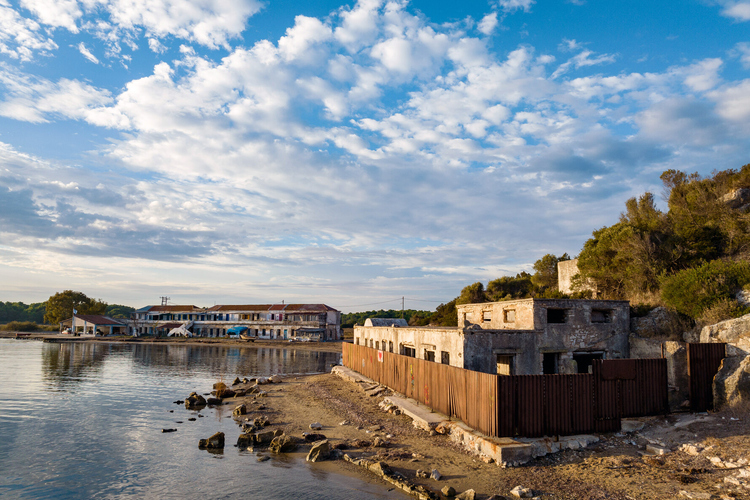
{"points": [[236, 330]]}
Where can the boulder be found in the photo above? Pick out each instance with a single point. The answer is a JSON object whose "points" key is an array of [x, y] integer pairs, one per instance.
{"points": [[435, 475], [260, 422], [275, 379], [316, 426], [448, 491], [521, 492], [320, 451], [265, 438], [467, 495], [239, 410], [246, 440], [380, 468], [237, 381], [215, 442], [219, 386], [225, 393], [195, 400], [731, 385], [283, 444], [213, 401]]}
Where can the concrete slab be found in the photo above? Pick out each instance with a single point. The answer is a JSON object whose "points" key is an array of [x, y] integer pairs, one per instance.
{"points": [[350, 375], [423, 416]]}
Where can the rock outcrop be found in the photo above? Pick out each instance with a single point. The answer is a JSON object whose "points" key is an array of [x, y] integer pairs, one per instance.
{"points": [[732, 331], [737, 199], [732, 383]]}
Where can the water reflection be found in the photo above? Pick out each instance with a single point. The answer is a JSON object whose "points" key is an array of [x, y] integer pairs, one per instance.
{"points": [[84, 420], [66, 363]]}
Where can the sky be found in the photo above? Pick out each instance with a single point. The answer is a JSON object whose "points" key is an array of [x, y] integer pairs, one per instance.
{"points": [[248, 151]]}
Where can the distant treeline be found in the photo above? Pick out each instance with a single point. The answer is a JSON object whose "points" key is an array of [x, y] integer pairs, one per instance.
{"points": [[34, 313], [412, 316]]}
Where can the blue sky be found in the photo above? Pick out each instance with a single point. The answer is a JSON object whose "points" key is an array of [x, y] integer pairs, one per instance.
{"points": [[239, 151]]}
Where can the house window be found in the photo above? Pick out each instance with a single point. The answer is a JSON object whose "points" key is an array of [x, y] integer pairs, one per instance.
{"points": [[377, 345], [601, 316], [356, 341], [371, 343], [390, 346], [487, 316], [550, 363], [557, 315], [408, 351], [509, 315], [505, 364], [445, 358], [429, 355]]}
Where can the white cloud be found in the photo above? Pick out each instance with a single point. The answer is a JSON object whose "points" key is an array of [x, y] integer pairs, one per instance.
{"points": [[37, 100], [742, 51], [57, 13], [20, 38], [87, 53], [738, 10], [488, 23], [733, 101], [299, 39], [582, 60], [514, 5]]}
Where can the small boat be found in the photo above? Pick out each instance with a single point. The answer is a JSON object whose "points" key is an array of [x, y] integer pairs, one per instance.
{"points": [[247, 337]]}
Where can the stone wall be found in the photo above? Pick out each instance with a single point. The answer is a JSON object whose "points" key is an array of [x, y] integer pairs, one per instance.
{"points": [[735, 332], [505, 315]]}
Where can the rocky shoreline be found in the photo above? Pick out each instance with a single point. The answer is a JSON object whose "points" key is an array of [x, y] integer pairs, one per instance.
{"points": [[325, 418]]}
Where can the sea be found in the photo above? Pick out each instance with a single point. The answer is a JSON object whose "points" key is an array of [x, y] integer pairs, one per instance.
{"points": [[84, 420]]}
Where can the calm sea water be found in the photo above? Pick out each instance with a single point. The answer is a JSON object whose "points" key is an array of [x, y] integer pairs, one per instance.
{"points": [[84, 420]]}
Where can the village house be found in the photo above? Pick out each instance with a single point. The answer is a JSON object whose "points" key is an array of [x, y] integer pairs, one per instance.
{"points": [[514, 337], [93, 324], [267, 321]]}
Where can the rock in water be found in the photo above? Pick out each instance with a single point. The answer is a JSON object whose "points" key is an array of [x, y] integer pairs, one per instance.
{"points": [[283, 444], [320, 451], [169, 430], [215, 442], [240, 410], [195, 400], [237, 381]]}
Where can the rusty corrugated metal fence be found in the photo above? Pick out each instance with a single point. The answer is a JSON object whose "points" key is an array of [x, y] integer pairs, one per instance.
{"points": [[704, 361], [525, 405]]}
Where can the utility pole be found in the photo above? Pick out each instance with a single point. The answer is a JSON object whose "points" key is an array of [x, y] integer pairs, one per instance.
{"points": [[402, 308]]}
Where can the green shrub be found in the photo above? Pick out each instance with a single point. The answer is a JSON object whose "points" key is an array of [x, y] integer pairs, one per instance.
{"points": [[693, 291], [723, 310], [21, 326]]}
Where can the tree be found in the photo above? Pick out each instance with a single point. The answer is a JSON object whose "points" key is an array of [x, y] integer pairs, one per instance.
{"points": [[60, 306], [508, 287], [546, 271], [119, 311]]}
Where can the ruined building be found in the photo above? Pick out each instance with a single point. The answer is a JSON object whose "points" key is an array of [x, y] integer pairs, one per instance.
{"points": [[515, 337]]}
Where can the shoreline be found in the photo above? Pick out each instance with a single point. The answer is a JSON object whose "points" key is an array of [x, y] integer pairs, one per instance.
{"points": [[617, 467], [333, 346]]}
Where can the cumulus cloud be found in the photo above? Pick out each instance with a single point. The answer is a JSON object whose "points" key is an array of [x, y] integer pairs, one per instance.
{"points": [[488, 23]]}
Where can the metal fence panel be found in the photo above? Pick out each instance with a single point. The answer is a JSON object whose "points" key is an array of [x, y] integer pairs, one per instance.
{"points": [[704, 361]]}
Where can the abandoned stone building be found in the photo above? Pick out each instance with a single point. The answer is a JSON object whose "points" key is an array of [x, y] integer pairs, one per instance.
{"points": [[514, 337]]}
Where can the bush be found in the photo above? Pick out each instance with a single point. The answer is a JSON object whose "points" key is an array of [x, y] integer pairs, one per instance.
{"points": [[695, 290], [21, 326], [723, 310]]}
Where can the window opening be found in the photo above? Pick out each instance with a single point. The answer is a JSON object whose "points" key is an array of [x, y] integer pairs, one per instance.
{"points": [[429, 355], [510, 315], [557, 315], [445, 358], [505, 364], [585, 360], [550, 363]]}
